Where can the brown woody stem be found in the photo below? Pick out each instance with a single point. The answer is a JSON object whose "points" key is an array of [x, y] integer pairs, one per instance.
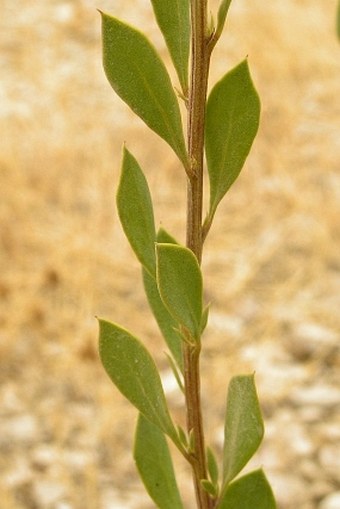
{"points": [[200, 58]]}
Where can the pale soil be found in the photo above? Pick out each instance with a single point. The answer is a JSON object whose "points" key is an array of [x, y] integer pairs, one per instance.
{"points": [[271, 263]]}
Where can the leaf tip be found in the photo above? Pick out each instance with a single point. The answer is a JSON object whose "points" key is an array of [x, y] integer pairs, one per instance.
{"points": [[104, 16]]}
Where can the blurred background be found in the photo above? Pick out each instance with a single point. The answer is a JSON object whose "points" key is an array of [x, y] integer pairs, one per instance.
{"points": [[271, 262]]}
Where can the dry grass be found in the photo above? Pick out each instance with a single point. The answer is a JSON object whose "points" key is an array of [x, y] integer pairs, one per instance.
{"points": [[272, 259]]}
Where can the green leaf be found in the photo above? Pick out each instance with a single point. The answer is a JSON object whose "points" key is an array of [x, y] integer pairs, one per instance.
{"points": [[153, 460], [166, 323], [133, 371], [232, 121], [138, 75], [174, 21], [164, 237], [251, 491], [136, 212], [209, 487], [212, 466], [205, 318], [221, 16], [179, 281], [182, 437], [244, 429], [191, 440]]}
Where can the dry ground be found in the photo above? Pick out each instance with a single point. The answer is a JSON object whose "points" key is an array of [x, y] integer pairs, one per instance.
{"points": [[272, 260]]}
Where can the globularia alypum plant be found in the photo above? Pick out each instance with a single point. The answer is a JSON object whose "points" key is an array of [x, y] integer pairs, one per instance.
{"points": [[220, 131]]}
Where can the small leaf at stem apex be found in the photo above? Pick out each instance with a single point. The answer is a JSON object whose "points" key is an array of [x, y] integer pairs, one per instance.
{"points": [[251, 491], [138, 75], [133, 371], [136, 212], [180, 285], [174, 21], [154, 463], [243, 431], [232, 120]]}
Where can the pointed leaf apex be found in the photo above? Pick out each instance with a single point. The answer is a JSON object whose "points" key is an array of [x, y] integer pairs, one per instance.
{"points": [[138, 75], [244, 428], [133, 371], [136, 212], [233, 112]]}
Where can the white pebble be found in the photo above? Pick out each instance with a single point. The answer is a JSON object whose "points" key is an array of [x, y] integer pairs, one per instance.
{"points": [[332, 501], [317, 394], [44, 456], [21, 428], [330, 460], [49, 492]]}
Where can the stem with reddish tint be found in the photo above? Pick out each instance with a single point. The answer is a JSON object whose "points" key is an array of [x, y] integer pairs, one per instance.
{"points": [[200, 57]]}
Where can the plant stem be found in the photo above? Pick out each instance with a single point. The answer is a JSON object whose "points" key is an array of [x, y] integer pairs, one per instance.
{"points": [[200, 57], [196, 116]]}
